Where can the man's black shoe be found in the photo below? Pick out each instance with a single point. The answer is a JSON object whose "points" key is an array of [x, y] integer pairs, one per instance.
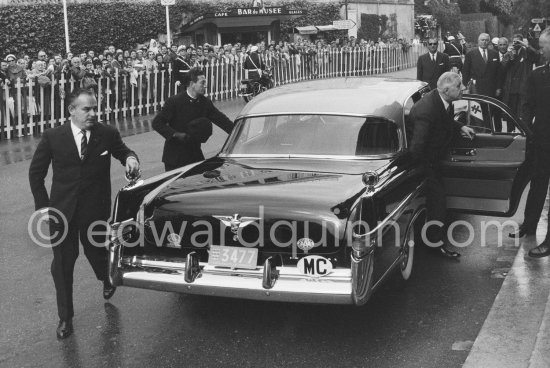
{"points": [[522, 231], [108, 290], [447, 253], [64, 329], [543, 250]]}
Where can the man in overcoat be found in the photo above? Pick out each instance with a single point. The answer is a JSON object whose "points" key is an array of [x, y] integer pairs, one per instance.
{"points": [[180, 124]]}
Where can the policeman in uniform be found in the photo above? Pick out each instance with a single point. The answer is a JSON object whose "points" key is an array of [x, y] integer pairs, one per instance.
{"points": [[535, 105], [182, 65], [455, 51], [253, 63]]}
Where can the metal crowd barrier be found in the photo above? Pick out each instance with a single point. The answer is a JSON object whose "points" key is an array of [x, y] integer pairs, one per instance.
{"points": [[26, 108]]}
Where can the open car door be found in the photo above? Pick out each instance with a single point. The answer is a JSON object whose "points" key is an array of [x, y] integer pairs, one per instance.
{"points": [[486, 175]]}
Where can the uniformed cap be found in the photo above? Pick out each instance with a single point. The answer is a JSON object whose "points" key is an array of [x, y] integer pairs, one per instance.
{"points": [[495, 41], [451, 38], [254, 49], [182, 47]]}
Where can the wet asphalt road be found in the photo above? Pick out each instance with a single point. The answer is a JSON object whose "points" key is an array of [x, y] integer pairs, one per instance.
{"points": [[415, 325]]}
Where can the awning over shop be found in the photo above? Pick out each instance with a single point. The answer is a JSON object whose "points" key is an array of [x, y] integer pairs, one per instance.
{"points": [[307, 30], [327, 28], [239, 17], [315, 29]]}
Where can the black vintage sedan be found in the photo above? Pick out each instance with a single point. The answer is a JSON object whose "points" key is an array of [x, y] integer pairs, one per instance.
{"points": [[312, 198]]}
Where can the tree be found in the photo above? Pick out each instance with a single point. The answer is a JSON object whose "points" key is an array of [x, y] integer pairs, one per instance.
{"points": [[447, 15], [420, 7], [469, 6], [524, 10], [501, 8]]}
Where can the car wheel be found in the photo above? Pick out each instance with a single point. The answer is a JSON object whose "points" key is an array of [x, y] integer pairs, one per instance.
{"points": [[407, 253]]}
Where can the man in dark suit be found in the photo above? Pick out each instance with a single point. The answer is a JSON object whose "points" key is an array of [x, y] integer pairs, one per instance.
{"points": [[433, 130], [482, 69], [516, 63], [80, 155], [432, 64], [536, 106], [177, 122]]}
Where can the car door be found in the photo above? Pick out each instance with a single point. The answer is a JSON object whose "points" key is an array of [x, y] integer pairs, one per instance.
{"points": [[486, 175]]}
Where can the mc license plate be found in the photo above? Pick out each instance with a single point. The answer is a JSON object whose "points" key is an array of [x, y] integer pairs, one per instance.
{"points": [[233, 257]]}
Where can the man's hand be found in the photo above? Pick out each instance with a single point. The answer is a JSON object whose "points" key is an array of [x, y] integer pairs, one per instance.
{"points": [[132, 167], [467, 132], [182, 137], [498, 93]]}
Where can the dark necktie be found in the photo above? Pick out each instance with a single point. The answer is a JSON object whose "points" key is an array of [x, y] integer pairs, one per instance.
{"points": [[450, 111], [83, 145], [484, 55]]}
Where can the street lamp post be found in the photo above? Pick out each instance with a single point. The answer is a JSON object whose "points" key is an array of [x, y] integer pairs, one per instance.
{"points": [[346, 4], [168, 38], [67, 44], [167, 3]]}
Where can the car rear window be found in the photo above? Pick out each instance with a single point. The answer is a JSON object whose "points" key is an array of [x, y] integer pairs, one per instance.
{"points": [[313, 135]]}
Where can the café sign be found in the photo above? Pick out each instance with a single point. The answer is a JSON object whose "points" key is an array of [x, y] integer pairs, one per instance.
{"points": [[247, 12]]}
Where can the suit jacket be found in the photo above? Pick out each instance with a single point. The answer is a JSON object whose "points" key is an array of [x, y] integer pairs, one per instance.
{"points": [[535, 106], [486, 74], [433, 129], [428, 71], [175, 116], [86, 183]]}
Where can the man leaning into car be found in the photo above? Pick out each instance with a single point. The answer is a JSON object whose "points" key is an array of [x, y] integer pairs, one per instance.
{"points": [[433, 131], [185, 122]]}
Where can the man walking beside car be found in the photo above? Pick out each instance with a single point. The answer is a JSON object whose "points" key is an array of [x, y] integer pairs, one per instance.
{"points": [[80, 154], [433, 131], [185, 122], [536, 106], [432, 64]]}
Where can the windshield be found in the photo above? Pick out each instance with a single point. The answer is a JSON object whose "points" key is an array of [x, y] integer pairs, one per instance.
{"points": [[313, 135]]}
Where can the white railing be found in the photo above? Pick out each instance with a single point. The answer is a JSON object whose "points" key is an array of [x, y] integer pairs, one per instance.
{"points": [[26, 108]]}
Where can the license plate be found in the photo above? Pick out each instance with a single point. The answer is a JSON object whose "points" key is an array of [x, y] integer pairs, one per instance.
{"points": [[233, 257]]}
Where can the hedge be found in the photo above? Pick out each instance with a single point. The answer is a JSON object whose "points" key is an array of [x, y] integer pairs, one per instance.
{"points": [[93, 26]]}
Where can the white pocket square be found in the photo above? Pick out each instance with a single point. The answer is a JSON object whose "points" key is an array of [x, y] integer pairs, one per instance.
{"points": [[104, 153], [440, 63], [495, 59]]}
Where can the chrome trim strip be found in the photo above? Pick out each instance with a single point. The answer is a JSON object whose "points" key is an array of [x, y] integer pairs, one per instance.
{"points": [[153, 193], [396, 213], [303, 113], [318, 157]]}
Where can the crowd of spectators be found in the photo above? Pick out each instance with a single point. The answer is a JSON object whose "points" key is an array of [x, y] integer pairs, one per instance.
{"points": [[125, 76]]}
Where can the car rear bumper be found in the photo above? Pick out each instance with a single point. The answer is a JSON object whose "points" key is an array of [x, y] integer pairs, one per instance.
{"points": [[284, 284]]}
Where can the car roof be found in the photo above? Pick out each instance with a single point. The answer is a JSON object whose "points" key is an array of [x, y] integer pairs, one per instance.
{"points": [[375, 96]]}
